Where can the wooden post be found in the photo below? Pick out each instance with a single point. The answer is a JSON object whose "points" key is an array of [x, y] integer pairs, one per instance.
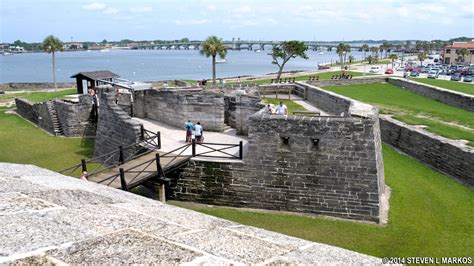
{"points": [[84, 166], [159, 170], [162, 193], [131, 109], [123, 182], [121, 154], [276, 93], [241, 150], [158, 140], [142, 132], [289, 94], [193, 147]]}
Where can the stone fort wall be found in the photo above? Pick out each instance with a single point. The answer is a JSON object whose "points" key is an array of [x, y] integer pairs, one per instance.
{"points": [[322, 165], [445, 155], [177, 106], [454, 98], [114, 127], [73, 117], [238, 109]]}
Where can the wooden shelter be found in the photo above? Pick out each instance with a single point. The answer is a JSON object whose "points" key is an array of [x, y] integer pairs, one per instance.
{"points": [[89, 80]]}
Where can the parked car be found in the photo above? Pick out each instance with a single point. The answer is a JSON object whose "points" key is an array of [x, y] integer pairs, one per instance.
{"points": [[456, 77], [406, 74], [414, 74], [389, 71], [400, 69], [467, 78], [409, 69], [433, 74], [374, 69]]}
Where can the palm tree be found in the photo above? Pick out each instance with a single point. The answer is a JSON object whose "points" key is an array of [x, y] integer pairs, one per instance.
{"points": [[386, 45], [374, 50], [351, 58], [370, 59], [347, 49], [365, 48], [393, 57], [461, 54], [51, 44], [213, 46], [422, 56], [340, 50]]}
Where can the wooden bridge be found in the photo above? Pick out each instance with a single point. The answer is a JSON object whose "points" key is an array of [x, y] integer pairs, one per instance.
{"points": [[148, 162]]}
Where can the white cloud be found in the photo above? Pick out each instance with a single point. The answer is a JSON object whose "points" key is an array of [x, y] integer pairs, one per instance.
{"points": [[191, 22], [110, 11], [94, 6], [143, 9], [211, 7]]}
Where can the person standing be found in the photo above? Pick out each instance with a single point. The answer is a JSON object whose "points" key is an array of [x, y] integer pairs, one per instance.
{"points": [[189, 131], [198, 132], [281, 109], [269, 109]]}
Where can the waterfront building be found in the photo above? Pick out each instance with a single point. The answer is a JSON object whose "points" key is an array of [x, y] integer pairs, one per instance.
{"points": [[451, 57]]}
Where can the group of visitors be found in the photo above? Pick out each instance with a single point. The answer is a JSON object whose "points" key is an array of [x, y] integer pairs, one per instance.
{"points": [[281, 109], [189, 127]]}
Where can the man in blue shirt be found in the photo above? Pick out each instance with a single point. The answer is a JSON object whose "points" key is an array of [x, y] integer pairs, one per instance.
{"points": [[189, 130], [198, 132]]}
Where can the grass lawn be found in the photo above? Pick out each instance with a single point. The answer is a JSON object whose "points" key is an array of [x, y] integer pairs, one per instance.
{"points": [[430, 215], [408, 107], [322, 75], [448, 84], [292, 106], [22, 142], [37, 96]]}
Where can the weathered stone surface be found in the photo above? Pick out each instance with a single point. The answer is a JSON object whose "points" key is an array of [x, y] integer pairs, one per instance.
{"points": [[448, 156], [176, 107], [75, 118], [115, 127], [131, 229], [238, 109], [34, 85], [35, 112], [329, 165], [454, 98]]}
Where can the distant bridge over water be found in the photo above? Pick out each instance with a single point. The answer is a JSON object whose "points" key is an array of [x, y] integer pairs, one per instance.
{"points": [[246, 45]]}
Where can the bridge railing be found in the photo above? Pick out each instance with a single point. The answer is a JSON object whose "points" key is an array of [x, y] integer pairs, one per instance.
{"points": [[156, 168], [94, 166]]}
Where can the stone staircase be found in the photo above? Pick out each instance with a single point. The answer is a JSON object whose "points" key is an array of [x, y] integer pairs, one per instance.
{"points": [[57, 129]]}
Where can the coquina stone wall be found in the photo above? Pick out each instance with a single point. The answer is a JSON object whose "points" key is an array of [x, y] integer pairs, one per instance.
{"points": [[322, 165], [176, 107], [238, 109], [114, 127], [445, 155], [75, 118], [37, 113], [454, 98], [35, 85]]}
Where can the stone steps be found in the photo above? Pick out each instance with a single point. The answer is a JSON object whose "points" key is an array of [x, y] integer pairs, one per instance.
{"points": [[57, 129]]}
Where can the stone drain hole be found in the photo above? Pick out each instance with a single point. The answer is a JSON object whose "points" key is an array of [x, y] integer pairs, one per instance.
{"points": [[285, 143], [315, 143]]}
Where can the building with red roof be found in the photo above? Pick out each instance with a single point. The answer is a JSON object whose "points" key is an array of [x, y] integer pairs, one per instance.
{"points": [[452, 55]]}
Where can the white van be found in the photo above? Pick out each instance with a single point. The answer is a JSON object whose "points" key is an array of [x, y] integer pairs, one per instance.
{"points": [[374, 69]]}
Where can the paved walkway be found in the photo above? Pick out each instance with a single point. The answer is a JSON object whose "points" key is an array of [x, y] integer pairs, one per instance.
{"points": [[173, 137]]}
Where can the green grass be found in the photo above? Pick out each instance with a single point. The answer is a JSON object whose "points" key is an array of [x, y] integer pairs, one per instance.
{"points": [[292, 106], [22, 142], [448, 131], [37, 96], [395, 100], [322, 75], [430, 215], [448, 84]]}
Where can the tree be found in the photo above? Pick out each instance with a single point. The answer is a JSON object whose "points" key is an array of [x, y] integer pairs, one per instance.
{"points": [[365, 48], [51, 44], [370, 59], [422, 56], [461, 54], [286, 51], [374, 51], [340, 50], [351, 58], [104, 41], [184, 40], [393, 57], [385, 46], [212, 47]]}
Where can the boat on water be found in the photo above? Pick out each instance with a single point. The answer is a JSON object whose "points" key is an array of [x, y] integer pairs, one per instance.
{"points": [[7, 53], [104, 50], [258, 51], [221, 61], [320, 53]]}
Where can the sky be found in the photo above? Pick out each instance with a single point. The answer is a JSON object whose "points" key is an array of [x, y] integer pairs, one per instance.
{"points": [[326, 20]]}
